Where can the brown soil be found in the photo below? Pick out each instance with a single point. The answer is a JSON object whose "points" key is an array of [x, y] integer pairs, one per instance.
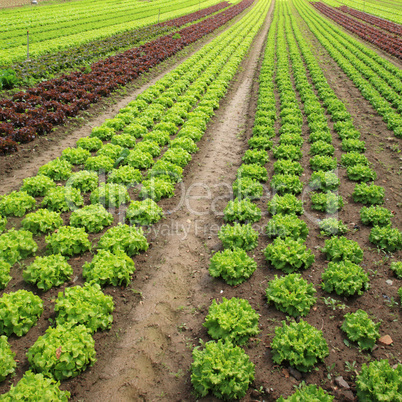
{"points": [[158, 318]]}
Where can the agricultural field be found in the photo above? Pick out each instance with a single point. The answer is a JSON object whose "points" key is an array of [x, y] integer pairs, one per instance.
{"points": [[204, 206]]}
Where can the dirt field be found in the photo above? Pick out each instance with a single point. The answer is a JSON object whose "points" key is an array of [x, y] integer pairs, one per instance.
{"points": [[158, 318]]}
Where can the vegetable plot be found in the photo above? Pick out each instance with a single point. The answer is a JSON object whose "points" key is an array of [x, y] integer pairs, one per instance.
{"points": [[37, 110], [384, 41]]}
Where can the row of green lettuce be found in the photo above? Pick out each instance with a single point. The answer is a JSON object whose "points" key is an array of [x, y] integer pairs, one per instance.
{"points": [[378, 80], [89, 27], [197, 85], [233, 322]]}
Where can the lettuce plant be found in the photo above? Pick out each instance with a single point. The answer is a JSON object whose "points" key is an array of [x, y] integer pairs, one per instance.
{"points": [[284, 151], [241, 211], [62, 352], [308, 393], [104, 133], [160, 137], [360, 328], [42, 221], [112, 151], [353, 145], [234, 320], [76, 156], [16, 245], [353, 159], [166, 170], [291, 139], [322, 148], [254, 171], [125, 175], [286, 226], [86, 305], [116, 123], [37, 186], [378, 381], [361, 173], [19, 312], [84, 180], [150, 147], [299, 344], [291, 294], [368, 194], [177, 156], [341, 249], [286, 183], [110, 195], [258, 156], [139, 159], [146, 212], [185, 143], [376, 215], [345, 279], [57, 169], [289, 255], [326, 202], [323, 162], [63, 199], [108, 268], [332, 226], [129, 239], [99, 163], [68, 241], [247, 187], [286, 204], [386, 237], [46, 272], [324, 181], [7, 362], [4, 273], [221, 369], [396, 266], [17, 203], [135, 130], [93, 218], [320, 136], [233, 266], [288, 167], [238, 236], [260, 143], [156, 188], [124, 140]]}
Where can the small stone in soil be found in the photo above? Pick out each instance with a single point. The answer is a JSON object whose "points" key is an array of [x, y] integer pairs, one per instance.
{"points": [[295, 373], [389, 282], [385, 340], [341, 382]]}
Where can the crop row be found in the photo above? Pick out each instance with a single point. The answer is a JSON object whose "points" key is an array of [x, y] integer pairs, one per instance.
{"points": [[379, 22], [35, 111], [378, 80], [46, 65], [187, 96], [384, 41], [86, 29]]}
